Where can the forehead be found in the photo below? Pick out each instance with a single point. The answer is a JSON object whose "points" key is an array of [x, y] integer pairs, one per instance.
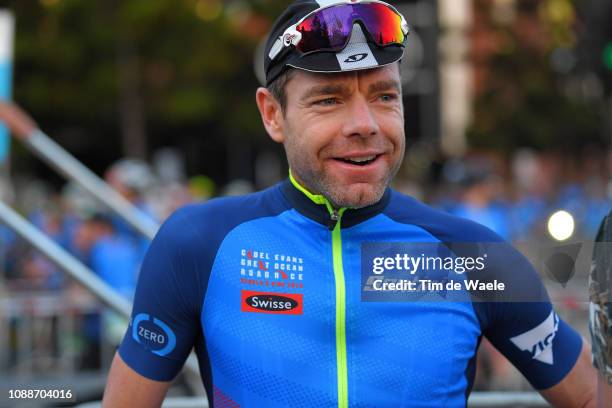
{"points": [[302, 81]]}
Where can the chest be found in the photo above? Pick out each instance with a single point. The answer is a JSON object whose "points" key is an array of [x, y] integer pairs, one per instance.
{"points": [[285, 303]]}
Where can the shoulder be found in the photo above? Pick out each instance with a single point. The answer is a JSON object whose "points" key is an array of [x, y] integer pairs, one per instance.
{"points": [[181, 256], [211, 221], [444, 226], [260, 204]]}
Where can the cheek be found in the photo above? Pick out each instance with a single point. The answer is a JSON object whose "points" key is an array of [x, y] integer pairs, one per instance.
{"points": [[311, 137], [393, 129]]}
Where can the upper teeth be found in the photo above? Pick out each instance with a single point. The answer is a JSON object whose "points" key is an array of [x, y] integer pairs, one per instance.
{"points": [[361, 159]]}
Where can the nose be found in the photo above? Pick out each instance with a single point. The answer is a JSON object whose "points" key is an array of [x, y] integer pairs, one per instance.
{"points": [[360, 120]]}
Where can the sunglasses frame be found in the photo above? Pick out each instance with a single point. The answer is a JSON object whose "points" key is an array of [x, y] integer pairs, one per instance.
{"points": [[292, 36]]}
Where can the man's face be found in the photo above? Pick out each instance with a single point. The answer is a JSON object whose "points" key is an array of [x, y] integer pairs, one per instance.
{"points": [[344, 133]]}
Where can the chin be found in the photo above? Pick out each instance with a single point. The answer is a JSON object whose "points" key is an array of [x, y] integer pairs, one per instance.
{"points": [[359, 196]]}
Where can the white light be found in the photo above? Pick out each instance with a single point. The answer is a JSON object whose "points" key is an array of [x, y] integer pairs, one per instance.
{"points": [[561, 225]]}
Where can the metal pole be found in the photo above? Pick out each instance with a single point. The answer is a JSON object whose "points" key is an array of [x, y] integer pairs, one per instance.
{"points": [[25, 129], [506, 399], [455, 72], [55, 156], [74, 268], [64, 260]]}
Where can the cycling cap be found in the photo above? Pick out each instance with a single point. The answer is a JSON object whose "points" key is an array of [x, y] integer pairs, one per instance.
{"points": [[335, 36]]}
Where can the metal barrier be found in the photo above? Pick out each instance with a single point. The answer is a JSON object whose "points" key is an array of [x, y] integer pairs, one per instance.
{"points": [[76, 270], [24, 127], [58, 158], [64, 260], [168, 403], [507, 399], [476, 400], [39, 332]]}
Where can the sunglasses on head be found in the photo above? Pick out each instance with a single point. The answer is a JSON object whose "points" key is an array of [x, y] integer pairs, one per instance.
{"points": [[329, 28]]}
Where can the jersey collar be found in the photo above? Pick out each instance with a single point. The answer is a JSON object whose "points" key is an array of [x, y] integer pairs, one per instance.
{"points": [[317, 207]]}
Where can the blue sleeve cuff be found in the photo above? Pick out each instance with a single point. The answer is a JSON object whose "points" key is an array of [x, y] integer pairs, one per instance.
{"points": [[146, 363], [567, 346]]}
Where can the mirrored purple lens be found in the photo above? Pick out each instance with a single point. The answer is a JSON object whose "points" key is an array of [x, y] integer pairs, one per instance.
{"points": [[329, 29]]}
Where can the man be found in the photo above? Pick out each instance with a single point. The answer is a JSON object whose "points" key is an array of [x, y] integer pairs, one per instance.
{"points": [[600, 289], [267, 287]]}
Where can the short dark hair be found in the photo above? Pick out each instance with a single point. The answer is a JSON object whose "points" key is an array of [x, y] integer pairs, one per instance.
{"points": [[277, 88]]}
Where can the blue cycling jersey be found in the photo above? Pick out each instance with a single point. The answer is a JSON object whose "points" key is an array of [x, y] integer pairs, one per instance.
{"points": [[267, 289]]}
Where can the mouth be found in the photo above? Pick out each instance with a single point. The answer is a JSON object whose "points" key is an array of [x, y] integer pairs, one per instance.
{"points": [[360, 161]]}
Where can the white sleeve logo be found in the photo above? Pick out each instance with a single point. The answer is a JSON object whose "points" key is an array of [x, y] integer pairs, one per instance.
{"points": [[538, 341]]}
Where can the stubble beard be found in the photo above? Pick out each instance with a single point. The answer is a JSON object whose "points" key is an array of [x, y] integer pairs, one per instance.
{"points": [[355, 197]]}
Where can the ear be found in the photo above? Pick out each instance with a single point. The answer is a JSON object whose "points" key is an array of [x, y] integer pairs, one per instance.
{"points": [[271, 115]]}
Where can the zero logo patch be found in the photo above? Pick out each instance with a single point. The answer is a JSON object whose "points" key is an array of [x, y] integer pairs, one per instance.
{"points": [[155, 335], [272, 303]]}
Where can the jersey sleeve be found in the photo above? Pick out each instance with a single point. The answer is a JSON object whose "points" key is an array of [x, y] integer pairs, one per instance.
{"points": [[520, 321], [165, 318], [525, 327]]}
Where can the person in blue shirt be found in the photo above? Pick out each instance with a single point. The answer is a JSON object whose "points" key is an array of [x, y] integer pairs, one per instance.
{"points": [[481, 199], [114, 257], [267, 288]]}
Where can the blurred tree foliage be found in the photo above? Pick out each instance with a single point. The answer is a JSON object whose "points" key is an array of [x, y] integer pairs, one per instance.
{"points": [[524, 59], [94, 72], [112, 78]]}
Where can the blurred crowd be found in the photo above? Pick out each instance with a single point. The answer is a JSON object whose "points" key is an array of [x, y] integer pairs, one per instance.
{"points": [[513, 197], [99, 239], [517, 196]]}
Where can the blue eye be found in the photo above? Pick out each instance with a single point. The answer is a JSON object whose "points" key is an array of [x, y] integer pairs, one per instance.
{"points": [[327, 102], [388, 97]]}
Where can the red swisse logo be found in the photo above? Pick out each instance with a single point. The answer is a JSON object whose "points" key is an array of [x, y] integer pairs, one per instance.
{"points": [[273, 303]]}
